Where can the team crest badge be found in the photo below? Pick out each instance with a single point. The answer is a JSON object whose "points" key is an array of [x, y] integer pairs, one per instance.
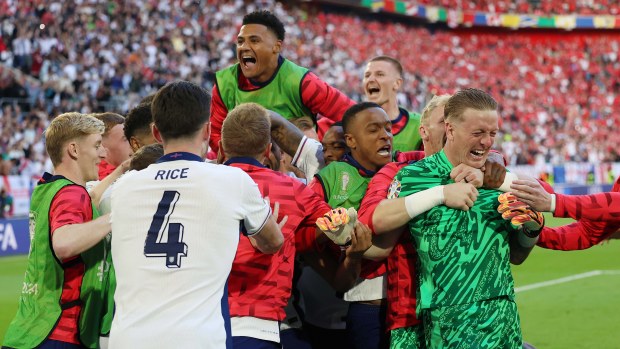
{"points": [[394, 189], [344, 180]]}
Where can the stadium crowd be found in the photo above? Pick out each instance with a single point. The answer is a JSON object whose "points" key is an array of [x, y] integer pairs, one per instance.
{"points": [[283, 261], [93, 56], [541, 7]]}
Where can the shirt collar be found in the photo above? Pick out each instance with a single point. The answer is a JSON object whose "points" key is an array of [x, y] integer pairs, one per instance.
{"points": [[180, 155], [49, 178], [263, 84], [244, 160], [362, 170]]}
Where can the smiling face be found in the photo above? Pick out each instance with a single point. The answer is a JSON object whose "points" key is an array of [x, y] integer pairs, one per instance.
{"points": [[90, 152], [470, 138], [370, 138], [257, 51], [381, 82]]}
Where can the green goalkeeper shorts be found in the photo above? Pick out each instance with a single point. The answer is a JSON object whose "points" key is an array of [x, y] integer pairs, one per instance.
{"points": [[407, 338], [492, 323]]}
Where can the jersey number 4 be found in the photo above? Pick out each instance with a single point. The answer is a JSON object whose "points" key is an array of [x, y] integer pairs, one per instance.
{"points": [[174, 248]]}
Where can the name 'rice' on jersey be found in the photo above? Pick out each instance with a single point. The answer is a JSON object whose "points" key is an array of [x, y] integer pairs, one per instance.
{"points": [[175, 233]]}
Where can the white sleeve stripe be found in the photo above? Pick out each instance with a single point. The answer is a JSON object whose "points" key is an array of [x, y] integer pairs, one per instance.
{"points": [[261, 226], [300, 150]]}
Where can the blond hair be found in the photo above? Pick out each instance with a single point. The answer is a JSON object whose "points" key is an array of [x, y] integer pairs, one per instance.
{"points": [[68, 127], [468, 98], [246, 131], [434, 103]]}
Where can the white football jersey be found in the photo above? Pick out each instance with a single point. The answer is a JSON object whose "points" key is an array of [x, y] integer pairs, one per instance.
{"points": [[175, 233]]}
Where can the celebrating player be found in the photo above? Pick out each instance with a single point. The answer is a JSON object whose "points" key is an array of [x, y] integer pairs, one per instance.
{"points": [[382, 81], [178, 230], [263, 76], [61, 304], [259, 284], [466, 288]]}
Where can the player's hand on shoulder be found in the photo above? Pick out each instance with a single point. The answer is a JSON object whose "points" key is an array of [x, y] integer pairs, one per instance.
{"points": [[532, 193], [276, 211], [460, 195], [338, 224], [361, 240], [494, 171], [467, 174]]}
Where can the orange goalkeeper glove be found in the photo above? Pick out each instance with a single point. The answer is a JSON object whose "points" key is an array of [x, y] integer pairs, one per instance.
{"points": [[520, 214], [338, 224]]}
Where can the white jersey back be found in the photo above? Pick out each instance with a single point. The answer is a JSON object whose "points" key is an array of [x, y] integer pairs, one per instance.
{"points": [[175, 233]]}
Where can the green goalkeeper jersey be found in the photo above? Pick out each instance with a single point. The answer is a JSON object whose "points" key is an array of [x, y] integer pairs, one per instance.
{"points": [[464, 255]]}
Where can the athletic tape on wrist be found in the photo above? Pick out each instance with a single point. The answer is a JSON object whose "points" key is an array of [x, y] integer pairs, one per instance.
{"points": [[423, 201]]}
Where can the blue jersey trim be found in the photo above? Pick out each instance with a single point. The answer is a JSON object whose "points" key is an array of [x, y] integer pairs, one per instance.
{"points": [[49, 178], [180, 155], [259, 85], [348, 158], [226, 316], [244, 160]]}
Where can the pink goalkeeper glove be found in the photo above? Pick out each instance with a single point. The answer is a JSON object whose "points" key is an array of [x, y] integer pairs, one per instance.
{"points": [[520, 214], [338, 224]]}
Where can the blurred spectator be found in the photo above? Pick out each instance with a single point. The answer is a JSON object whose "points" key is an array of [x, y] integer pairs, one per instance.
{"points": [[6, 202], [558, 91]]}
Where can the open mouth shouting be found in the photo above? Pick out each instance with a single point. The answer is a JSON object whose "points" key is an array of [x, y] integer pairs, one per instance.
{"points": [[385, 151], [373, 92], [247, 61]]}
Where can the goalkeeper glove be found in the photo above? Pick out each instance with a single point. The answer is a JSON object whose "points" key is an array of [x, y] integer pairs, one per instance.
{"points": [[338, 224], [520, 215]]}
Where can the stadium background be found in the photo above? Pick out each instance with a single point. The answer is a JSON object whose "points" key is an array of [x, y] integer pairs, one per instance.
{"points": [[553, 66]]}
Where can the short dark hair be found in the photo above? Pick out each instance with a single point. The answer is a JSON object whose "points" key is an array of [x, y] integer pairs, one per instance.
{"points": [[180, 109], [246, 131], [350, 114], [391, 60], [138, 120], [148, 99], [467, 98], [267, 19], [109, 120], [146, 156]]}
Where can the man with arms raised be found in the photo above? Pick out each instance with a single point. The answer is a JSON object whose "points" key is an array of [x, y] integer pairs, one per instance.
{"points": [[178, 229], [61, 303]]}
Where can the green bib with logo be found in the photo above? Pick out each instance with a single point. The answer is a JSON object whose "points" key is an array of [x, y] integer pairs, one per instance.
{"points": [[282, 94], [40, 305]]}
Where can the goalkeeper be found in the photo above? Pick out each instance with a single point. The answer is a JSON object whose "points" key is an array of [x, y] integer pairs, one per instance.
{"points": [[466, 296]]}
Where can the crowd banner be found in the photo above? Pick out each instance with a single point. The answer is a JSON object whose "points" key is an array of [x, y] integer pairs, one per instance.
{"points": [[19, 188], [571, 173], [457, 17], [14, 236]]}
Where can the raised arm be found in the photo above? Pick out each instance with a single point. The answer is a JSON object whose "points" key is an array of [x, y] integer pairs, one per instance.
{"points": [[323, 99], [307, 153], [218, 114]]}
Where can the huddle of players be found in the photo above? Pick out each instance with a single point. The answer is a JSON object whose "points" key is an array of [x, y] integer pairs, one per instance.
{"points": [[464, 244]]}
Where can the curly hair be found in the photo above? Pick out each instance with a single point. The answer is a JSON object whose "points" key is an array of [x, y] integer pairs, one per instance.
{"points": [[267, 19]]}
